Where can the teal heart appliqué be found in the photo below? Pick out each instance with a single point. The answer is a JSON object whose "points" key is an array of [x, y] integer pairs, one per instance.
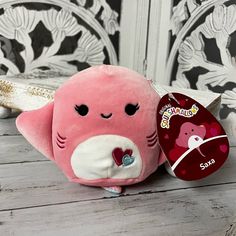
{"points": [[127, 160]]}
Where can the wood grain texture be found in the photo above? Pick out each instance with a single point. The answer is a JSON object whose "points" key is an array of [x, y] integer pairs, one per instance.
{"points": [[37, 199], [8, 127], [15, 149], [231, 231], [37, 184], [205, 211]]}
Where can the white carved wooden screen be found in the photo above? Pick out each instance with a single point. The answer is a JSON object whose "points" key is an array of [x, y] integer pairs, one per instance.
{"points": [[69, 35], [43, 42], [35, 35], [52, 38], [196, 49]]}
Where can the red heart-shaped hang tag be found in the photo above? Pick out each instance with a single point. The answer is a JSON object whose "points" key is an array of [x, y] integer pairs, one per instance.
{"points": [[197, 144]]}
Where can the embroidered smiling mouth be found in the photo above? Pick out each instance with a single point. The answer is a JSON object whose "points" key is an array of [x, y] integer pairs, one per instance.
{"points": [[105, 116]]}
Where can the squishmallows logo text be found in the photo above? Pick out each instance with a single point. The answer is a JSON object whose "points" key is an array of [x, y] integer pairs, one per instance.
{"points": [[173, 111]]}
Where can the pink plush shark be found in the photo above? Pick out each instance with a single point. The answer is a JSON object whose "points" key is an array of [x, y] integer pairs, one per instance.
{"points": [[101, 128]]}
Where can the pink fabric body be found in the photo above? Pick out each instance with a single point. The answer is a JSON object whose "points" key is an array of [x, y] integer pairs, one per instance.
{"points": [[105, 90]]}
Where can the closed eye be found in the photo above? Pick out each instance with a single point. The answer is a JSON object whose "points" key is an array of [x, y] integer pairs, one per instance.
{"points": [[130, 109], [82, 109]]}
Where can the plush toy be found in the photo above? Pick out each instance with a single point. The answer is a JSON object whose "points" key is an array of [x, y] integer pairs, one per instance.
{"points": [[100, 129]]}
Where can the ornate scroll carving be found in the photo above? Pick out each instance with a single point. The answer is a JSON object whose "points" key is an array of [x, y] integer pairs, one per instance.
{"points": [[206, 56], [77, 31], [181, 12]]}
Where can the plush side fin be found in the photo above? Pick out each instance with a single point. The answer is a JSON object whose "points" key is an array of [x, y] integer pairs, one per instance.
{"points": [[36, 127], [162, 158]]}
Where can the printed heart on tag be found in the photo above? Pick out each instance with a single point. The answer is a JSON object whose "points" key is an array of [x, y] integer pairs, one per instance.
{"points": [[166, 136], [223, 148], [118, 154], [182, 102], [197, 144], [213, 131]]}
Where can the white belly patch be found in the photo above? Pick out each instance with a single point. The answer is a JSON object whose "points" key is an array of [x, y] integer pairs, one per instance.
{"points": [[98, 157]]}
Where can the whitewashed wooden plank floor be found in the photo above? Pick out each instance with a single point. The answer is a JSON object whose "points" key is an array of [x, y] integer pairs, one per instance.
{"points": [[36, 199]]}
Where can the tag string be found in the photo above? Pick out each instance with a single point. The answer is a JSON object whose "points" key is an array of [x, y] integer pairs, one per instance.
{"points": [[171, 96]]}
